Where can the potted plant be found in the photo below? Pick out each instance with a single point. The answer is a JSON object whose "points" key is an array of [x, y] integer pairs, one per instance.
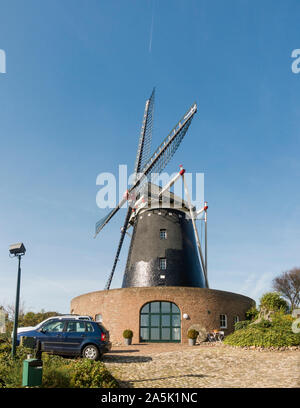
{"points": [[127, 334], [192, 335]]}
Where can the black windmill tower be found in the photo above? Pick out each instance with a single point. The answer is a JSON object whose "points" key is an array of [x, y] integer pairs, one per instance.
{"points": [[165, 247]]}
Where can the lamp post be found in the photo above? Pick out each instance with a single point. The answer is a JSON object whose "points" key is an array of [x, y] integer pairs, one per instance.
{"points": [[205, 222], [17, 250]]}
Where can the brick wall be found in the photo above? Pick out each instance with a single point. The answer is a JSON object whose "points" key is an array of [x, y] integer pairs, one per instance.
{"points": [[120, 308]]}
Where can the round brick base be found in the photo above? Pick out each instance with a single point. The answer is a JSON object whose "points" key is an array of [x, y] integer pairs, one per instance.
{"points": [[120, 308]]}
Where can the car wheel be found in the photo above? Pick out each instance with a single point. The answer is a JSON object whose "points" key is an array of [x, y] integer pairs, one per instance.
{"points": [[91, 352]]}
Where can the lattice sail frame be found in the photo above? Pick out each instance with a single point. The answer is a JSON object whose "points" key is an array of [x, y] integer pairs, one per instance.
{"points": [[144, 146]]}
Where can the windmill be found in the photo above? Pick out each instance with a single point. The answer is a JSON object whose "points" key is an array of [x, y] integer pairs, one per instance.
{"points": [[147, 167]]}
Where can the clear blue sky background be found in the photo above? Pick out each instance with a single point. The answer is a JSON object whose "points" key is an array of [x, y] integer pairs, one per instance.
{"points": [[71, 104]]}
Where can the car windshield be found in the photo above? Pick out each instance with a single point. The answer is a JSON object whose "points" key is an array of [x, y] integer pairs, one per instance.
{"points": [[41, 323], [54, 326]]}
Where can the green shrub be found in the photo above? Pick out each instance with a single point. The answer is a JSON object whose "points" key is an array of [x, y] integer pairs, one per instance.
{"points": [[127, 334], [4, 338], [11, 368], [273, 301], [91, 374], [55, 376], [277, 333], [242, 324], [252, 313], [10, 373], [58, 372], [5, 348], [263, 324], [21, 352], [192, 334]]}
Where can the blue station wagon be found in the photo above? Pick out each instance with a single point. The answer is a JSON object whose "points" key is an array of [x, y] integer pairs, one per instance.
{"points": [[71, 337]]}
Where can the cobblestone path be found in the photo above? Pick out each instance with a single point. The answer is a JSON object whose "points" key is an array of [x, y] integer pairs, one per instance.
{"points": [[175, 365]]}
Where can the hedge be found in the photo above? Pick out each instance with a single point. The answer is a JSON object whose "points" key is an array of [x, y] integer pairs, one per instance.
{"points": [[58, 372], [277, 333]]}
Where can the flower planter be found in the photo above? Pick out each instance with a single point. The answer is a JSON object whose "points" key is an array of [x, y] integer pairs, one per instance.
{"points": [[192, 342], [128, 341]]}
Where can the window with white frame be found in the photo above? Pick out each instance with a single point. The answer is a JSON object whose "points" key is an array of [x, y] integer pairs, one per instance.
{"points": [[163, 234], [236, 319], [162, 264], [223, 321]]}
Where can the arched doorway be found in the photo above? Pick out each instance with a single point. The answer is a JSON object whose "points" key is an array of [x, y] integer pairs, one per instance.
{"points": [[160, 322]]}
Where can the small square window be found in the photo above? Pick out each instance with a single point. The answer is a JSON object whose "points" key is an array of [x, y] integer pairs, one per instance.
{"points": [[162, 263], [223, 321], [236, 319], [163, 234]]}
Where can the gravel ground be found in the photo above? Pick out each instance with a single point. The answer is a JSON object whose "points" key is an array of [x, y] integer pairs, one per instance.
{"points": [[176, 365]]}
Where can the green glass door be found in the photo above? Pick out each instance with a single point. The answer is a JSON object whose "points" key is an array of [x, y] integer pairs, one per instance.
{"points": [[160, 322]]}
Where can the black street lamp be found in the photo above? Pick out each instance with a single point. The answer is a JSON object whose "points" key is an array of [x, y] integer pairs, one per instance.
{"points": [[17, 250]]}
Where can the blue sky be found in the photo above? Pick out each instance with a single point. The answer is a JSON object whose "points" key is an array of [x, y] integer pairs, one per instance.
{"points": [[71, 104]]}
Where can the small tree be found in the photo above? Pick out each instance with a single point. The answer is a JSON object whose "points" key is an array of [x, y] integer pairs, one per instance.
{"points": [[288, 285], [32, 319], [10, 310], [252, 313], [273, 301]]}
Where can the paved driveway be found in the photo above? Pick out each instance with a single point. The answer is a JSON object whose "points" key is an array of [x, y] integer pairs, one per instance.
{"points": [[175, 365]]}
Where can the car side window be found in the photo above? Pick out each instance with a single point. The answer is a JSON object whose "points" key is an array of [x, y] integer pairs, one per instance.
{"points": [[103, 329], [54, 326], [77, 327], [89, 327]]}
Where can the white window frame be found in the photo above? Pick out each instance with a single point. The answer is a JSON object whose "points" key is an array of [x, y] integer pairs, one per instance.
{"points": [[223, 326], [162, 264], [236, 319], [163, 233]]}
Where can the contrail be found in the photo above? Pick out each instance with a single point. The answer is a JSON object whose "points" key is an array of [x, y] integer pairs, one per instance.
{"points": [[151, 30]]}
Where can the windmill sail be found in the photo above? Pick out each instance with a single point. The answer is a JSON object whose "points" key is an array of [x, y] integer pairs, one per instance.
{"points": [[165, 151], [158, 161], [142, 157], [144, 146], [103, 221], [123, 232]]}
